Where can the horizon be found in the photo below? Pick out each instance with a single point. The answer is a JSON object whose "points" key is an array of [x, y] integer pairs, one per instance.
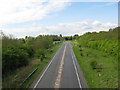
{"points": [[10, 35]]}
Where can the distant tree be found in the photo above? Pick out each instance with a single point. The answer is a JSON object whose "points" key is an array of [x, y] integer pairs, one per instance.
{"points": [[88, 33], [22, 40], [68, 38], [26, 37], [76, 36], [60, 35], [94, 32], [103, 32], [110, 29]]}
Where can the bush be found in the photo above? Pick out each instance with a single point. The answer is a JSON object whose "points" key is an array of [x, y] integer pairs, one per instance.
{"points": [[50, 50], [40, 53], [93, 64], [99, 67], [96, 66], [80, 49], [27, 48], [13, 58], [81, 54]]}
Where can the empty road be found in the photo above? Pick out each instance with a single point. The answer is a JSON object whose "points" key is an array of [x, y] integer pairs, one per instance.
{"points": [[62, 71]]}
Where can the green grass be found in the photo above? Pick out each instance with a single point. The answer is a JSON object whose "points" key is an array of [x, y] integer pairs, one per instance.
{"points": [[107, 77], [15, 79]]}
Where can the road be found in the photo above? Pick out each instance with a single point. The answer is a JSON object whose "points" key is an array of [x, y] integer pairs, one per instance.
{"points": [[62, 71]]}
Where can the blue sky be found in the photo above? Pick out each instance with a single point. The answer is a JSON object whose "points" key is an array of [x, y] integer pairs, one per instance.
{"points": [[66, 14], [89, 10]]}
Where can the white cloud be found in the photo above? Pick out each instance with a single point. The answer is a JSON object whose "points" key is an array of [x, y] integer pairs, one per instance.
{"points": [[96, 23], [17, 11], [80, 28], [95, 0]]}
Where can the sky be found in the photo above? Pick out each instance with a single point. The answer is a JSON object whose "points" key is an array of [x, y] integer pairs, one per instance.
{"points": [[34, 17]]}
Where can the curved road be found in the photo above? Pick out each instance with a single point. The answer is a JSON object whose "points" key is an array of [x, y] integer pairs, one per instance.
{"points": [[62, 71]]}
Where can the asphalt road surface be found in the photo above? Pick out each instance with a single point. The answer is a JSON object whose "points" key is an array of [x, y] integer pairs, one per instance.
{"points": [[62, 71]]}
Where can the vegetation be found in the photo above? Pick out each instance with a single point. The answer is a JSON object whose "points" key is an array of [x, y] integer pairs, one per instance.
{"points": [[24, 54], [97, 54], [104, 41], [16, 78]]}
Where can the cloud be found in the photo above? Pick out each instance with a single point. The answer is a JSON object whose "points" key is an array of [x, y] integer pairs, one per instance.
{"points": [[95, 0], [18, 11], [96, 23], [106, 4], [72, 28]]}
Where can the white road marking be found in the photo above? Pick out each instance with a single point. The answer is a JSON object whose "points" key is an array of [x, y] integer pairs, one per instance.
{"points": [[44, 71], [59, 72], [57, 83], [76, 70]]}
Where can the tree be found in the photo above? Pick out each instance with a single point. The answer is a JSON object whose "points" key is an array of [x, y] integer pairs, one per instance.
{"points": [[40, 53], [60, 35], [76, 36]]}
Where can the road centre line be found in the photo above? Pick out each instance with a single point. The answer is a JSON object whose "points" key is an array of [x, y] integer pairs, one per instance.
{"points": [[58, 80]]}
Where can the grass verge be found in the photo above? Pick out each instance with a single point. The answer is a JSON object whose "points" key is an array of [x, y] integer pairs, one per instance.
{"points": [[99, 68]]}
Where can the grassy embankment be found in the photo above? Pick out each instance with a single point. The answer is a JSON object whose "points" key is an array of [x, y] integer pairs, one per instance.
{"points": [[15, 79], [98, 58]]}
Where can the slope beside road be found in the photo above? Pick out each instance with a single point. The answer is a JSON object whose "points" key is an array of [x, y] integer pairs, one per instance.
{"points": [[62, 71]]}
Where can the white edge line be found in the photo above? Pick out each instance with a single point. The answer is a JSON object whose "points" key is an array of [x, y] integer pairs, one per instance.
{"points": [[44, 72], [76, 70]]}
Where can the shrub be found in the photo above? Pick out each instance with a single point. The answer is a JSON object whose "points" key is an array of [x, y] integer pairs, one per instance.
{"points": [[96, 66], [50, 50], [13, 58], [27, 48], [81, 54], [80, 49], [40, 53], [93, 64], [99, 67], [79, 46]]}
